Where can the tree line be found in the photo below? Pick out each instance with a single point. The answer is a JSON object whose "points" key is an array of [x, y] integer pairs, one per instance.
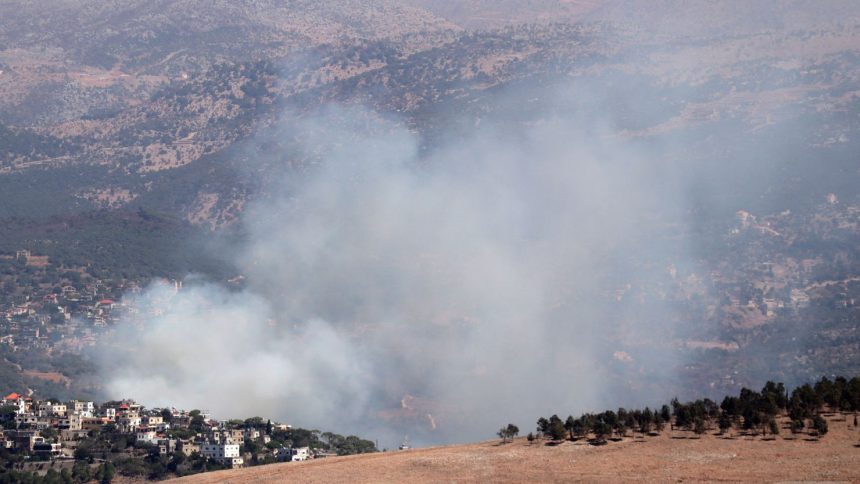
{"points": [[751, 411]]}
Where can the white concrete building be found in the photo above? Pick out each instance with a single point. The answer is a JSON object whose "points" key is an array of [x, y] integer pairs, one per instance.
{"points": [[298, 454], [146, 435], [48, 409], [225, 453], [153, 420], [16, 400], [84, 409], [71, 422], [128, 423]]}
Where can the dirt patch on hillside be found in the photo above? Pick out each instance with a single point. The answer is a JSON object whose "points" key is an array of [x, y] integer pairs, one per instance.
{"points": [[38, 261], [657, 459], [48, 376]]}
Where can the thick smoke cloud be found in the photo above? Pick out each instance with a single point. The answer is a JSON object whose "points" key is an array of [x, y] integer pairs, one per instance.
{"points": [[439, 296], [208, 346]]}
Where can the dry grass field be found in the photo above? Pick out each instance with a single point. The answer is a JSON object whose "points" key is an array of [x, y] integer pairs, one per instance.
{"points": [[834, 458]]}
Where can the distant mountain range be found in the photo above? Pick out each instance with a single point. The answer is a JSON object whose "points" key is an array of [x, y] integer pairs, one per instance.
{"points": [[121, 99], [153, 104]]}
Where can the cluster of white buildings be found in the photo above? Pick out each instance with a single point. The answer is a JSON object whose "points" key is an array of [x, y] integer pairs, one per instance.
{"points": [[32, 417], [74, 420], [224, 445]]}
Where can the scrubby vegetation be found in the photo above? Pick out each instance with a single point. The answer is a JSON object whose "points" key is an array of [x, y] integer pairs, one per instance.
{"points": [[103, 244]]}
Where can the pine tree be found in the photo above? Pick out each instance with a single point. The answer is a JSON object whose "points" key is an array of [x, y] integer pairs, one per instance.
{"points": [[699, 426], [556, 428], [543, 426], [819, 424], [725, 422], [569, 425], [512, 430], [774, 427], [796, 426]]}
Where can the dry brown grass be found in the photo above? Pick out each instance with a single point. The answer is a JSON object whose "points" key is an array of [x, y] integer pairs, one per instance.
{"points": [[38, 261], [48, 376], [658, 459]]}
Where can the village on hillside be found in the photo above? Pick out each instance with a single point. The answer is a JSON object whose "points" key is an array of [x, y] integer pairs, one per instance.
{"points": [[87, 440], [65, 315]]}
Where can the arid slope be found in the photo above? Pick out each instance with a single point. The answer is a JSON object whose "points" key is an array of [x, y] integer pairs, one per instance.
{"points": [[660, 459]]}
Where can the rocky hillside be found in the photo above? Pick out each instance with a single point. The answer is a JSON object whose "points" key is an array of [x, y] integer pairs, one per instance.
{"points": [[697, 18], [488, 14], [165, 36], [127, 101], [153, 93]]}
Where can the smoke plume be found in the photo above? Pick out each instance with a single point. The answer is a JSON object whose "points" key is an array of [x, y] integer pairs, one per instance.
{"points": [[391, 293]]}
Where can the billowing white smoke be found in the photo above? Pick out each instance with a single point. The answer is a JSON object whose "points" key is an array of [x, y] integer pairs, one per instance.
{"points": [[390, 293], [208, 347]]}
